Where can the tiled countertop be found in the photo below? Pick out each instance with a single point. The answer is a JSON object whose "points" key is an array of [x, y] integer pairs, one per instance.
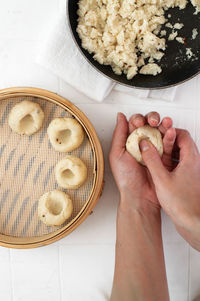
{"points": [[80, 266]]}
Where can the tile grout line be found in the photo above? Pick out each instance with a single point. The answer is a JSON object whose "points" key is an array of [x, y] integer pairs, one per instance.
{"points": [[188, 297], [59, 273], [11, 277]]}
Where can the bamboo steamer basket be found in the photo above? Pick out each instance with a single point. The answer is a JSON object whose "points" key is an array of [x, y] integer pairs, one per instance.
{"points": [[27, 171]]}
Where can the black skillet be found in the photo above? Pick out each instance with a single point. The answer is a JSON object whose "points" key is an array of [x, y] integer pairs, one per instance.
{"points": [[176, 66]]}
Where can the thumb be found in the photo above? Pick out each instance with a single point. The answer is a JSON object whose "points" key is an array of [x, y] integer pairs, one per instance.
{"points": [[153, 161]]}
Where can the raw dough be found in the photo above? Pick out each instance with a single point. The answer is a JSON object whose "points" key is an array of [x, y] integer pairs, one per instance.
{"points": [[65, 134], [54, 208], [26, 118], [145, 132], [70, 172]]}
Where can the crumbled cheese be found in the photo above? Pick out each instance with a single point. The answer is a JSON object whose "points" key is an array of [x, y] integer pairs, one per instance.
{"points": [[169, 25], [178, 25], [150, 69], [141, 62], [196, 4], [124, 33], [189, 53], [173, 35], [194, 33], [163, 33], [157, 30], [151, 60], [180, 40]]}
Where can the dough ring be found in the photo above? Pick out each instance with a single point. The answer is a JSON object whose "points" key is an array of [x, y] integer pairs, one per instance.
{"points": [[65, 134], [26, 118], [54, 208], [70, 172], [145, 132]]}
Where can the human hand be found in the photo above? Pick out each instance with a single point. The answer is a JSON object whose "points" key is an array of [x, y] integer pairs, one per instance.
{"points": [[139, 250], [134, 180], [178, 188]]}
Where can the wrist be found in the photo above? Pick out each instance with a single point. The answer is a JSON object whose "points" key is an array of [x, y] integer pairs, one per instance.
{"points": [[130, 204], [139, 217]]}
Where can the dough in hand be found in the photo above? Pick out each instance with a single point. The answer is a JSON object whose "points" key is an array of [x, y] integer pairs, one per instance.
{"points": [[26, 118], [70, 172], [145, 132], [54, 208], [65, 134]]}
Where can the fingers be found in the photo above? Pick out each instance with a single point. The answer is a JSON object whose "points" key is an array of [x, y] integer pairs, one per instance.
{"points": [[166, 124], [153, 161], [169, 134], [168, 145], [168, 141], [165, 127], [136, 121], [169, 137], [120, 135], [153, 119], [186, 145]]}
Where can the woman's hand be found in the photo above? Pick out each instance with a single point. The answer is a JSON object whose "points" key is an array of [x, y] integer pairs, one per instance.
{"points": [[139, 265], [133, 180], [178, 188]]}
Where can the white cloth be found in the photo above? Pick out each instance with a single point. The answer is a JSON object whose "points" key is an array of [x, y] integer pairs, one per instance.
{"points": [[60, 55], [160, 94]]}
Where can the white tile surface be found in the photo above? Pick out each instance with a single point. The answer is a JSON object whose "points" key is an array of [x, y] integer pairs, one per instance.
{"points": [[177, 266], [91, 272], [35, 274], [23, 20], [6, 282], [80, 266], [5, 275], [17, 67], [194, 280]]}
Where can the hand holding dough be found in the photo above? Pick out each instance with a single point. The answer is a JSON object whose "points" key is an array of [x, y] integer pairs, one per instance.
{"points": [[145, 132]]}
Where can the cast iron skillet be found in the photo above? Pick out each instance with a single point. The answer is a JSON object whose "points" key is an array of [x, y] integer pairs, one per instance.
{"points": [[177, 68]]}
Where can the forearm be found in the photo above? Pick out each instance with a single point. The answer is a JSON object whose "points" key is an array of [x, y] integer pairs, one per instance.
{"points": [[192, 235], [139, 269], [187, 221], [188, 226]]}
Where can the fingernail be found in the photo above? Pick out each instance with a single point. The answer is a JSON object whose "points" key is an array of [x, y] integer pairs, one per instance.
{"points": [[144, 145], [154, 120], [139, 119]]}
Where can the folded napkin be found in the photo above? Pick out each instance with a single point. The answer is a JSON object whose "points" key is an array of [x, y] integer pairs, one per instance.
{"points": [[161, 94], [60, 55]]}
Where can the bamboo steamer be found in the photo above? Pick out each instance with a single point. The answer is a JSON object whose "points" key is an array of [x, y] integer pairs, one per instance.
{"points": [[20, 214]]}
